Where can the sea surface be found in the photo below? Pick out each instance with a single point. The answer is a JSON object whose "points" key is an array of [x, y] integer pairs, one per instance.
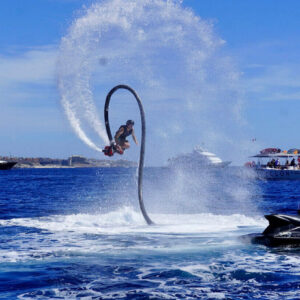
{"points": [[79, 234]]}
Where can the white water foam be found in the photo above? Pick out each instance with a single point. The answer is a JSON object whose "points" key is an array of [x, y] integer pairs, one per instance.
{"points": [[126, 220], [121, 230]]}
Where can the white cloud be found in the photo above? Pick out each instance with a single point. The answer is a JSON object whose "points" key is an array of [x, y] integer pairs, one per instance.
{"points": [[35, 66], [270, 69], [278, 82], [28, 94], [28, 78]]}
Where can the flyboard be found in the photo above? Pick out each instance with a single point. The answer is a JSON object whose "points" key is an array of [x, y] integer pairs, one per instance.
{"points": [[113, 148]]}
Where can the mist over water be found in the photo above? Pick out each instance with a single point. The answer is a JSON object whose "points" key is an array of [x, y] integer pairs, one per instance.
{"points": [[170, 56], [221, 192]]}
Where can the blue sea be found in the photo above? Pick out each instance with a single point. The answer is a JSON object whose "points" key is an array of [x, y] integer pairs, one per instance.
{"points": [[79, 234]]}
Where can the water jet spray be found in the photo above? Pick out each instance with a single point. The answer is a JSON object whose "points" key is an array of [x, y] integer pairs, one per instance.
{"points": [[142, 151]]}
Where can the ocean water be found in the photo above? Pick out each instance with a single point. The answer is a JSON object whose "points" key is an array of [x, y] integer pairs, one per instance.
{"points": [[79, 234]]}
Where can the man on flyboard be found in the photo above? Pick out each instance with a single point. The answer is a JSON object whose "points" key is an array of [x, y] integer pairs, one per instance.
{"points": [[121, 143]]}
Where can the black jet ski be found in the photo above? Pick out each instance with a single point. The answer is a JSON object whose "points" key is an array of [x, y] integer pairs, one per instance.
{"points": [[283, 230]]}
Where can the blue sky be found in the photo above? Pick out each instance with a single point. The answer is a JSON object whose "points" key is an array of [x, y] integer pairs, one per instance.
{"points": [[261, 38]]}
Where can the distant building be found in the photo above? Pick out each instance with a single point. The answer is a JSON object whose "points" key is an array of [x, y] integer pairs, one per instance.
{"points": [[77, 159], [64, 162]]}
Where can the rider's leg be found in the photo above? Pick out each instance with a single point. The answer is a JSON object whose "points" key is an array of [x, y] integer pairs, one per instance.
{"points": [[126, 145]]}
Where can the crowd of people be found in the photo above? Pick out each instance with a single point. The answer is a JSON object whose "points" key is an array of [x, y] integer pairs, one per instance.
{"points": [[275, 163]]}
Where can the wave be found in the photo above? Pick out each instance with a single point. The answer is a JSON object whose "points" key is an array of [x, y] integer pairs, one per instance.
{"points": [[127, 220], [121, 231]]}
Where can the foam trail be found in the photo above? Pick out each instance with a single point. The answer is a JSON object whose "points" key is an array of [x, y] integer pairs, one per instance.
{"points": [[168, 54]]}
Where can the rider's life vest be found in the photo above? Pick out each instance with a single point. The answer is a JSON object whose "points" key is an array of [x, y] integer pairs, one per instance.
{"points": [[126, 132]]}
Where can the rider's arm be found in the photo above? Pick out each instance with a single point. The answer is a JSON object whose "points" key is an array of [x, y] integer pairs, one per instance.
{"points": [[133, 136]]}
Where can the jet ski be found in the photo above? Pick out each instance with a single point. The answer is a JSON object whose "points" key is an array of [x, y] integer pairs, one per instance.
{"points": [[283, 230]]}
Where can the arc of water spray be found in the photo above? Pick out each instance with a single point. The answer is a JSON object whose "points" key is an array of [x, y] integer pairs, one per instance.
{"points": [[142, 151]]}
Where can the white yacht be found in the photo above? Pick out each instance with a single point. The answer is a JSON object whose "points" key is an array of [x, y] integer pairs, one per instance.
{"points": [[199, 158]]}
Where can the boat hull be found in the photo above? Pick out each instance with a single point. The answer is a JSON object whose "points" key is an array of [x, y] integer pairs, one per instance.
{"points": [[7, 165], [278, 174]]}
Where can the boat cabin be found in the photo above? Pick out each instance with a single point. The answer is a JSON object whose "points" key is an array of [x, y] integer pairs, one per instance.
{"points": [[272, 163], [277, 161]]}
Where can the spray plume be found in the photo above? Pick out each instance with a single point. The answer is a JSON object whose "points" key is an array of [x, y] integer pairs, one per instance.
{"points": [[167, 53]]}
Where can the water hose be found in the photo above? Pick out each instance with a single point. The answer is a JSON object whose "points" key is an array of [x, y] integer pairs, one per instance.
{"points": [[142, 151]]}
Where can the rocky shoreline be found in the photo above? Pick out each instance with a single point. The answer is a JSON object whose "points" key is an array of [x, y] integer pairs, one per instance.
{"points": [[74, 161]]}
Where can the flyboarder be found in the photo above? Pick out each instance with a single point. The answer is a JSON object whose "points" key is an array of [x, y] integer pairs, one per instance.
{"points": [[121, 143], [123, 132]]}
